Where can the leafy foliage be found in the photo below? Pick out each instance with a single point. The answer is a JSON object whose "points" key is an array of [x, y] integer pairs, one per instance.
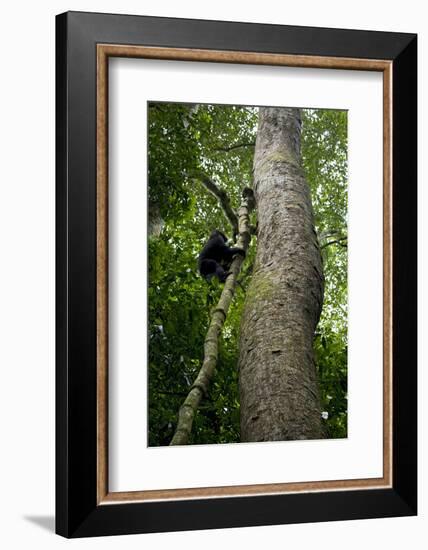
{"points": [[324, 157], [188, 140]]}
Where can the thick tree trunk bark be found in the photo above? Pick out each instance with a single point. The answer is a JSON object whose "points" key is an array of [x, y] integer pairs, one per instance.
{"points": [[278, 384]]}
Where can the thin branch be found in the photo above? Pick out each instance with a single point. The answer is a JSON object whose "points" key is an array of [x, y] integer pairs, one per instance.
{"points": [[224, 200], [201, 385], [329, 233], [159, 107], [337, 241], [236, 146]]}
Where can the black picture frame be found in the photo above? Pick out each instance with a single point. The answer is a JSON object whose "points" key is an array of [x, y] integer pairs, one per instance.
{"points": [[78, 513]]}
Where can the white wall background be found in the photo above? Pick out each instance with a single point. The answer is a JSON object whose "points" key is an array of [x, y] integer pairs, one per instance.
{"points": [[27, 272]]}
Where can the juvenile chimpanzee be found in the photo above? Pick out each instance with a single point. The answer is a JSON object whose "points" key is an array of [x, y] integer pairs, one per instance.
{"points": [[216, 257]]}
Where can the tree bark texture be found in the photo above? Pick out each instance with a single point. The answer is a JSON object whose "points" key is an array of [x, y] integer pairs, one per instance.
{"points": [[201, 385], [156, 222], [279, 391]]}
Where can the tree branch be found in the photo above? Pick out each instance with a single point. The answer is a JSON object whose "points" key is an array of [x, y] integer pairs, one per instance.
{"points": [[337, 241], [224, 200], [236, 146], [201, 384]]}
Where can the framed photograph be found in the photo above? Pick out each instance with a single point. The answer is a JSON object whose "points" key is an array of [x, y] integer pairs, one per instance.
{"points": [[236, 274]]}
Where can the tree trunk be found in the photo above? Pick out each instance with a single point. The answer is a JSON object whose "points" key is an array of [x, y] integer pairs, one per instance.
{"points": [[278, 383], [156, 222]]}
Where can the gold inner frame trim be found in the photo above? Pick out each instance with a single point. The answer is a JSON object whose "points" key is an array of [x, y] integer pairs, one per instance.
{"points": [[104, 51]]}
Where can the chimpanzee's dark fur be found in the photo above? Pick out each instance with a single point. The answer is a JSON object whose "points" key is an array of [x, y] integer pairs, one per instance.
{"points": [[216, 257]]}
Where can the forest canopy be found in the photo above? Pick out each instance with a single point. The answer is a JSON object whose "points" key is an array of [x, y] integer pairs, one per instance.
{"points": [[190, 144]]}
